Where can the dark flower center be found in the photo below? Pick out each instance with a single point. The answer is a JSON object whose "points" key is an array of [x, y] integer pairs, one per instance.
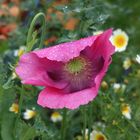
{"points": [[78, 73]]}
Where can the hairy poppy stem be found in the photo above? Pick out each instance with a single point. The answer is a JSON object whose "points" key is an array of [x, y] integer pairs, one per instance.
{"points": [[20, 101], [84, 122], [19, 112], [89, 120], [31, 40], [64, 125]]}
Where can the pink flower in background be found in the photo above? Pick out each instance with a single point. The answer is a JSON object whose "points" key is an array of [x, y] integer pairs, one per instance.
{"points": [[70, 72]]}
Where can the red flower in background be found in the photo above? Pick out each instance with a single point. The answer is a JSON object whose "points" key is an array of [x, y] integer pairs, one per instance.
{"points": [[6, 29]]}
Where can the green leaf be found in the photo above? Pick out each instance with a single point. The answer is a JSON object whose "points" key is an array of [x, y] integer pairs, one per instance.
{"points": [[23, 131], [28, 134], [8, 84], [7, 125], [3, 46]]}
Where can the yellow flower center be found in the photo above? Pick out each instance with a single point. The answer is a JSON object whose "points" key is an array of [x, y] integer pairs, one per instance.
{"points": [[100, 137], [125, 109], [32, 114], [20, 52], [119, 41], [56, 115], [14, 108]]}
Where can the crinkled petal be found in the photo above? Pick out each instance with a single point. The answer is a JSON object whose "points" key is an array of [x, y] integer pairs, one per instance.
{"points": [[101, 47], [100, 54], [104, 48], [54, 95], [33, 70], [66, 51], [56, 99]]}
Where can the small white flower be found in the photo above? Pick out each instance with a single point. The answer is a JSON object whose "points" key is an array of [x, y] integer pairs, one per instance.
{"points": [[120, 40], [14, 75], [119, 88], [56, 117], [127, 63], [138, 59], [96, 135], [126, 111], [116, 86], [20, 51], [29, 114]]}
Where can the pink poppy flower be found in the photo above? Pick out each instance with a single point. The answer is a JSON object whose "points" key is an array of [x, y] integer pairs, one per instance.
{"points": [[70, 72]]}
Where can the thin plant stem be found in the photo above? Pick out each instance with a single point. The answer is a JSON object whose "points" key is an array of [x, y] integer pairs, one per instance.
{"points": [[29, 47], [31, 29], [20, 108], [134, 126], [90, 120], [84, 121], [64, 125], [20, 101]]}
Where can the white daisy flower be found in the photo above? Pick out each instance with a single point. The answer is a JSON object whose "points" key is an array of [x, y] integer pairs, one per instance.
{"points": [[56, 117], [120, 40], [29, 114], [138, 59], [119, 87], [126, 111], [96, 135]]}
